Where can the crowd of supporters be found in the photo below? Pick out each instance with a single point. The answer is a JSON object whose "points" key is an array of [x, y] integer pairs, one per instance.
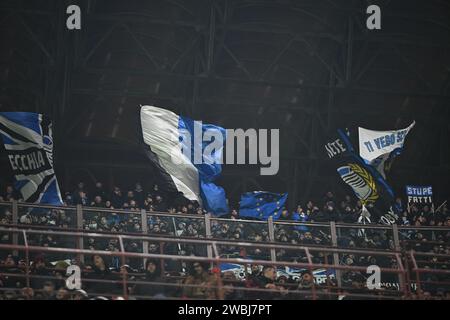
{"points": [[330, 208], [198, 280]]}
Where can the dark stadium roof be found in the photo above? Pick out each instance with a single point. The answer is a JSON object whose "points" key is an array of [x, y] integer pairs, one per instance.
{"points": [[304, 66]]}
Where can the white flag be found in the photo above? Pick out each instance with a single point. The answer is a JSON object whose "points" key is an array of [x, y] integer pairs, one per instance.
{"points": [[375, 147]]}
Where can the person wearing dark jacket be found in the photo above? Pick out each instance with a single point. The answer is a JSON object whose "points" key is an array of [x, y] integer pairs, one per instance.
{"points": [[81, 198], [139, 195], [152, 274], [266, 280], [102, 272], [99, 191], [200, 284], [11, 266], [39, 269], [117, 198]]}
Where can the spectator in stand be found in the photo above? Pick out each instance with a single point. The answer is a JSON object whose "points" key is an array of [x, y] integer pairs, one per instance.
{"points": [[81, 198], [305, 283], [330, 212], [48, 291], [329, 197], [231, 287], [190, 208], [108, 204], [139, 195], [11, 194], [117, 199], [299, 215], [129, 197], [62, 294], [101, 271], [152, 274], [79, 295], [266, 280], [349, 215], [80, 188], [285, 216], [98, 202], [160, 205], [317, 215], [148, 203], [68, 199], [200, 284], [156, 192], [348, 201], [11, 266], [39, 269], [6, 214], [309, 207], [99, 191]]}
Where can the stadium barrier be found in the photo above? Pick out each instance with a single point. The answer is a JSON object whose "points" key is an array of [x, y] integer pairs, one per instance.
{"points": [[78, 231], [316, 290]]}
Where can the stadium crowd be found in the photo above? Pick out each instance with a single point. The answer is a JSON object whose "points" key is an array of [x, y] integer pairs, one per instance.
{"points": [[196, 280]]}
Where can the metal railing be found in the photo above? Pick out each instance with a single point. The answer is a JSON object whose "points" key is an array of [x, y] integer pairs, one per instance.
{"points": [[215, 260], [334, 232]]}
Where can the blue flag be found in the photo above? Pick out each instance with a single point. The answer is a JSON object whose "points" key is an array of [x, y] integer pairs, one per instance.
{"points": [[298, 218], [188, 154], [262, 205], [28, 141]]}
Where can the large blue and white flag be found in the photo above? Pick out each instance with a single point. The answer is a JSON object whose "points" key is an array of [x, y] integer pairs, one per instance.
{"points": [[28, 141], [379, 148], [188, 154], [262, 205]]}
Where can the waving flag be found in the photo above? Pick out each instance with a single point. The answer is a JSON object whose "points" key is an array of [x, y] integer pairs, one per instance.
{"points": [[177, 146], [262, 205], [367, 183], [28, 141], [379, 148]]}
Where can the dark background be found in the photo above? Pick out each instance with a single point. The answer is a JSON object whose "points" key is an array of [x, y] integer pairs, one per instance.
{"points": [[306, 67]]}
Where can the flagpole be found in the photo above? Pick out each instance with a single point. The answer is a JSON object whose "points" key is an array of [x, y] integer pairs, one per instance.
{"points": [[441, 205], [179, 245], [176, 233]]}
